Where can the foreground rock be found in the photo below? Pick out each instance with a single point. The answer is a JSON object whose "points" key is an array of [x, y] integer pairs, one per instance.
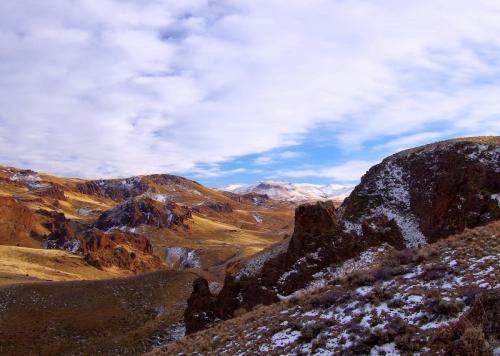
{"points": [[442, 299], [410, 199]]}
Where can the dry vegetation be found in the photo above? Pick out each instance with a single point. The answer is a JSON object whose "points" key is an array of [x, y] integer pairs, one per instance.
{"points": [[423, 300], [109, 317]]}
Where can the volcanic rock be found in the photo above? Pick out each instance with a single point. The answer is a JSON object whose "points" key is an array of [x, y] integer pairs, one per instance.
{"points": [[143, 210], [430, 192]]}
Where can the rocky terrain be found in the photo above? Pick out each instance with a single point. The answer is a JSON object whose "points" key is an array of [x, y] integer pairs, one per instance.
{"points": [[443, 298], [69, 249], [409, 202], [406, 264]]}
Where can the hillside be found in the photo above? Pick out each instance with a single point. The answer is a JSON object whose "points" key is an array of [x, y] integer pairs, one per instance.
{"points": [[444, 297], [407, 263], [171, 212], [409, 202], [107, 317]]}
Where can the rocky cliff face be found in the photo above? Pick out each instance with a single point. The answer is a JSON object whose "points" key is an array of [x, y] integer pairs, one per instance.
{"points": [[431, 191], [412, 198], [143, 210]]}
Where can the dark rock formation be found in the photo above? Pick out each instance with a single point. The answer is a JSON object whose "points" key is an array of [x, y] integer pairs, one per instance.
{"points": [[114, 189], [201, 306], [100, 249], [219, 207], [430, 192], [144, 211]]}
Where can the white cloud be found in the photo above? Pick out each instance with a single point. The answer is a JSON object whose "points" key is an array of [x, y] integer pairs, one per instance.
{"points": [[349, 171], [113, 88], [276, 157]]}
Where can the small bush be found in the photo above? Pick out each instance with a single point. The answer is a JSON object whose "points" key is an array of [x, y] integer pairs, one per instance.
{"points": [[472, 342], [327, 299], [434, 271], [445, 308], [311, 330], [359, 279]]}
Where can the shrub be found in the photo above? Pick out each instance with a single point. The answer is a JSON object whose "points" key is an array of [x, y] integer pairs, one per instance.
{"points": [[327, 299], [311, 330], [472, 342], [359, 279], [434, 271], [445, 308]]}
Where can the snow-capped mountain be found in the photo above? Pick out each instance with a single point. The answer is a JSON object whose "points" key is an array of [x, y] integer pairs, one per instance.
{"points": [[295, 192]]}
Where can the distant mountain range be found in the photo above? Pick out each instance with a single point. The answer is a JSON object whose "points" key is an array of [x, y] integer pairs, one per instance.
{"points": [[294, 192]]}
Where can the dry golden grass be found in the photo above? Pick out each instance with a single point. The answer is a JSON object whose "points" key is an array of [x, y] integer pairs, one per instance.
{"points": [[22, 264], [118, 316]]}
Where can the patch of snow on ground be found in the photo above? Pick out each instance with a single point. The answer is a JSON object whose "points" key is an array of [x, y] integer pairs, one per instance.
{"points": [[84, 211], [258, 218], [285, 337]]}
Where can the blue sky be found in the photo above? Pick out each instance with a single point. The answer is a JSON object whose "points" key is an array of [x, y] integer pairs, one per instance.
{"points": [[238, 91]]}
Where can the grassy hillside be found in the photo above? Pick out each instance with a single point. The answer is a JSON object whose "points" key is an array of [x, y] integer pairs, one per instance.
{"points": [[109, 317]]}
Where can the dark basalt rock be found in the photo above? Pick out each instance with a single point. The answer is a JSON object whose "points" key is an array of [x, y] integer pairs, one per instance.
{"points": [[144, 211], [201, 307], [431, 191]]}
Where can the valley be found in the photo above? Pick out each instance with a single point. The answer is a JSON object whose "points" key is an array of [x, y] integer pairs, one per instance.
{"points": [[160, 264]]}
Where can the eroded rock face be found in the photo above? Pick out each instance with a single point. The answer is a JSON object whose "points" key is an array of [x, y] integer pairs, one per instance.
{"points": [[144, 211], [117, 248], [114, 189], [201, 307], [180, 258], [430, 192], [100, 249], [17, 224]]}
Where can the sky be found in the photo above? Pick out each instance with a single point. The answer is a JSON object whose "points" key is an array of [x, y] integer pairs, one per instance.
{"points": [[240, 91]]}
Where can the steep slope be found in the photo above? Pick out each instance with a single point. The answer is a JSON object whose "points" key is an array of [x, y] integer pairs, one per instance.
{"points": [[440, 299], [125, 316], [294, 192], [448, 188]]}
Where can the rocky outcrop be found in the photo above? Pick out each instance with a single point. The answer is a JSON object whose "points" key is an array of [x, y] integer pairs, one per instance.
{"points": [[100, 249], [180, 258], [53, 191], [431, 191], [216, 206], [144, 211], [117, 248], [410, 199], [117, 190], [201, 307], [18, 225]]}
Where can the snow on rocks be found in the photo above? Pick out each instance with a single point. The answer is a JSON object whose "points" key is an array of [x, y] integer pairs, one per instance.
{"points": [[256, 263], [178, 258], [258, 218]]}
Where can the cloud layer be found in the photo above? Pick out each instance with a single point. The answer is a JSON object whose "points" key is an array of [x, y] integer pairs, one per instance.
{"points": [[115, 88]]}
